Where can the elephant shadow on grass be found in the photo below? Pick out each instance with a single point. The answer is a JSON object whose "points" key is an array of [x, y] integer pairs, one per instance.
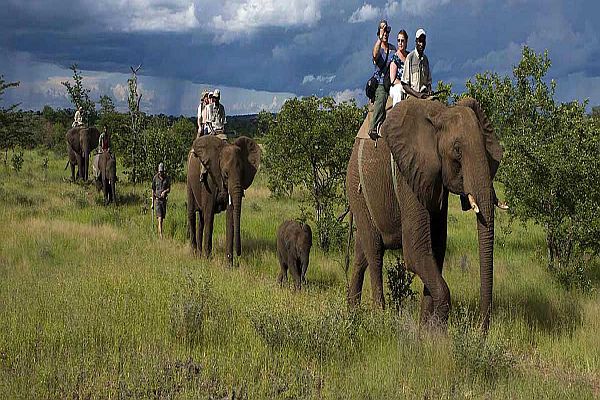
{"points": [[557, 315]]}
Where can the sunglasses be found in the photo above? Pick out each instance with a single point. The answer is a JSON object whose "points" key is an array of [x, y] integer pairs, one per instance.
{"points": [[401, 40], [386, 29]]}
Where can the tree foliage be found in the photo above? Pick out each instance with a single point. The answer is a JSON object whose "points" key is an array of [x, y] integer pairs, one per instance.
{"points": [[80, 97], [309, 145], [551, 168]]}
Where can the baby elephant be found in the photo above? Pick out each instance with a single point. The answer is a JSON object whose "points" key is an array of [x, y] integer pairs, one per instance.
{"points": [[294, 241]]}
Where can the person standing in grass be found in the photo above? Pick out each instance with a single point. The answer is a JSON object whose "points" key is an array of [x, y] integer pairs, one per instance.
{"points": [[161, 186]]}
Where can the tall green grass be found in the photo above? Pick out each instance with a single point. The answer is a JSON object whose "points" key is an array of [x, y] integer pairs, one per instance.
{"points": [[94, 305]]}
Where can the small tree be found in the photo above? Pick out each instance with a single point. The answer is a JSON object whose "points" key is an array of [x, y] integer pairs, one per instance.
{"points": [[130, 142], [10, 120], [309, 146], [551, 168], [80, 96]]}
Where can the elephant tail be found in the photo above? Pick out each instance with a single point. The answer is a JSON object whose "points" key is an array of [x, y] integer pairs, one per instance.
{"points": [[348, 244]]}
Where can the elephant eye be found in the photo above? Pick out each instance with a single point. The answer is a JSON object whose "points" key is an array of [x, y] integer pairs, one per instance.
{"points": [[456, 151]]}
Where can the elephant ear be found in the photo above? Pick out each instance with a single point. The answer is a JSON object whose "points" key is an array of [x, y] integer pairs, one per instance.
{"points": [[250, 154], [492, 146], [208, 148], [411, 137]]}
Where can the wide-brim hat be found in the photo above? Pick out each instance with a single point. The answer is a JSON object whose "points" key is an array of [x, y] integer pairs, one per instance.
{"points": [[217, 93], [420, 32]]}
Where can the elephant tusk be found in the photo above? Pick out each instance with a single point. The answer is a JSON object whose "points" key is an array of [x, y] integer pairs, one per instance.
{"points": [[474, 205], [501, 205]]}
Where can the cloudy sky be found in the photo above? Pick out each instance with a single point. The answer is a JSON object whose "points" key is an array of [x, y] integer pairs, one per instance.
{"points": [[261, 52]]}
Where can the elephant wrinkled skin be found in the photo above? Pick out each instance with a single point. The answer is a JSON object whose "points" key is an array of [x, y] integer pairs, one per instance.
{"points": [[218, 174], [81, 141], [436, 149]]}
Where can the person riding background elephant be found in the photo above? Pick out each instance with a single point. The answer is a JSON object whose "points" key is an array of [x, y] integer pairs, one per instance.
{"points": [[81, 141], [218, 174], [398, 195]]}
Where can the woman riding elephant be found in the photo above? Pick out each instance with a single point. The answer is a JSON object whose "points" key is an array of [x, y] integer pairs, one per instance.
{"points": [[80, 143], [218, 174], [398, 195]]}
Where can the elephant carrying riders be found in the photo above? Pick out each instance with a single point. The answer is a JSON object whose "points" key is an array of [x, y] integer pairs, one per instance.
{"points": [[161, 186], [78, 120]]}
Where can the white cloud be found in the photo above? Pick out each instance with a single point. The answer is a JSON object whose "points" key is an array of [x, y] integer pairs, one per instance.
{"points": [[419, 7], [319, 78], [365, 13], [349, 94], [236, 18]]}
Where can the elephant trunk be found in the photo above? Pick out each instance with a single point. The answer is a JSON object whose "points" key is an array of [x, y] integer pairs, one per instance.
{"points": [[86, 163], [485, 230], [236, 200]]}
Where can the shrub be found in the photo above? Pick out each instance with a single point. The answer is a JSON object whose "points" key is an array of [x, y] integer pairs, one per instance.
{"points": [[319, 333], [17, 159], [476, 354], [551, 167], [399, 280], [309, 145]]}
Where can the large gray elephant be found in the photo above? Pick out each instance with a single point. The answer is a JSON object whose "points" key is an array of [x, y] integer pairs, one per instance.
{"points": [[218, 174], [398, 195], [81, 141]]}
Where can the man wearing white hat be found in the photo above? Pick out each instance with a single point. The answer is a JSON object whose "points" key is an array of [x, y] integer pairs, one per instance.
{"points": [[416, 78], [218, 115]]}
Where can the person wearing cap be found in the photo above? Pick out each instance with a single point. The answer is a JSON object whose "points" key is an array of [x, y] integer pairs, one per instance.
{"points": [[416, 79], [397, 67], [382, 57], [218, 115], [200, 115], [161, 186], [78, 120]]}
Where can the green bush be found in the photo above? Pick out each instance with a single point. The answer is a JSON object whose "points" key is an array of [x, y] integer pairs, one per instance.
{"points": [[399, 280], [476, 354], [308, 146], [319, 333], [17, 159], [551, 167]]}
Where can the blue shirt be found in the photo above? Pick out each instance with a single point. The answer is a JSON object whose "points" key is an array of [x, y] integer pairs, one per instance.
{"points": [[381, 59]]}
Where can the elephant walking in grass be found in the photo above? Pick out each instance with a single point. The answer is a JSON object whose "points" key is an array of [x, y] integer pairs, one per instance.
{"points": [[81, 141], [294, 240], [398, 194], [107, 176], [218, 174]]}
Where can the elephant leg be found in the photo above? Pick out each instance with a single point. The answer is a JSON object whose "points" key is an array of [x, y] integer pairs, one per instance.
{"points": [[283, 268], [294, 266], [358, 277], [373, 249], [418, 252], [79, 165], [199, 232], [439, 236], [229, 235], [208, 222], [72, 171]]}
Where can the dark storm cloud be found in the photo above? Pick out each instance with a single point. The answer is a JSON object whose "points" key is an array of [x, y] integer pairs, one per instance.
{"points": [[292, 53]]}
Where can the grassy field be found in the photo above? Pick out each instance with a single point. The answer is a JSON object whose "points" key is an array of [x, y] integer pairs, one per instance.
{"points": [[94, 305]]}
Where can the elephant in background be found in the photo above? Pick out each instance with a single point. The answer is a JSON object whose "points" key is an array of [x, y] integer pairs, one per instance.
{"points": [[398, 194], [294, 240], [107, 176], [81, 141], [218, 174]]}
